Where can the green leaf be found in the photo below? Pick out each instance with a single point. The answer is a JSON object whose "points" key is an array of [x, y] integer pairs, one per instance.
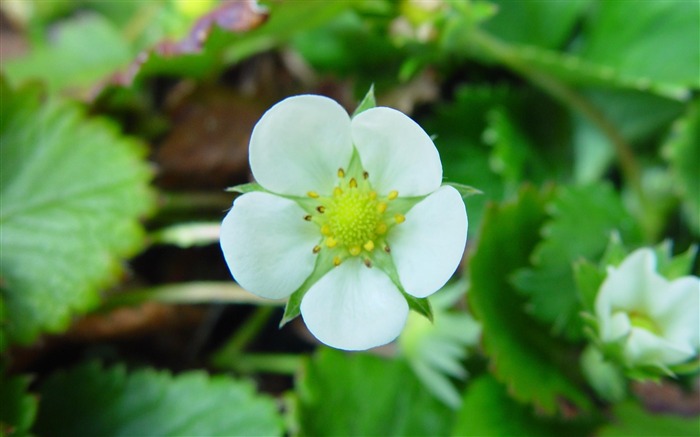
{"points": [[539, 23], [630, 419], [683, 154], [18, 407], [74, 61], [90, 400], [72, 192], [246, 188], [536, 367], [487, 410], [582, 220], [662, 33], [359, 394], [367, 102]]}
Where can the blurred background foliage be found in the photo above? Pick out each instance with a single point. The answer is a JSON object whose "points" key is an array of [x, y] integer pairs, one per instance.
{"points": [[123, 121]]}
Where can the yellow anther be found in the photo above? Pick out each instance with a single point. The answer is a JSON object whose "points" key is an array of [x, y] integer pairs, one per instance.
{"points": [[369, 246], [381, 207], [317, 249], [392, 195], [381, 228], [336, 261], [387, 249], [399, 218], [372, 195], [353, 183], [312, 194], [341, 173], [365, 175], [368, 263], [331, 242], [355, 250], [307, 218], [321, 209], [326, 230], [337, 191]]}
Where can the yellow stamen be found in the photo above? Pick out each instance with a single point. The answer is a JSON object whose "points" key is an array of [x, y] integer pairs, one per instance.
{"points": [[369, 246], [381, 228], [331, 242], [341, 173], [381, 207], [372, 195], [387, 249], [326, 230], [336, 261], [321, 209], [307, 218], [399, 218], [355, 250], [368, 262], [337, 191], [365, 175], [353, 183], [312, 194], [392, 195], [317, 249]]}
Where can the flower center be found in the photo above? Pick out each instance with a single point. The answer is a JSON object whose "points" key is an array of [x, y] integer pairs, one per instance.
{"points": [[643, 321], [354, 220]]}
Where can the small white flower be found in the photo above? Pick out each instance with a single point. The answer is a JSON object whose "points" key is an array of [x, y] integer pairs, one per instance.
{"points": [[352, 203], [655, 321]]}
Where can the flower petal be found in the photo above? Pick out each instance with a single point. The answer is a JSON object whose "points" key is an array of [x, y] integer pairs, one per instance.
{"points": [[396, 152], [299, 144], [429, 245], [268, 245], [645, 348], [630, 285], [678, 311], [354, 307], [614, 327]]}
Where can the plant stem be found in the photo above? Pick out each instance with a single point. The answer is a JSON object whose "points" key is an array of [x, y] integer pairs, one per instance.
{"points": [[233, 349]]}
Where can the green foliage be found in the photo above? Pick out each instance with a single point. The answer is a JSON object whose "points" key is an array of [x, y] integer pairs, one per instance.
{"points": [[535, 367], [72, 192], [91, 400], [500, 415], [18, 407], [582, 220], [436, 349], [630, 419], [683, 154], [360, 394], [107, 50]]}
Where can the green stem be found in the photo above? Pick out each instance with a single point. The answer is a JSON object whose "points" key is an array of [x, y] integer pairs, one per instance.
{"points": [[510, 57], [233, 349], [282, 364]]}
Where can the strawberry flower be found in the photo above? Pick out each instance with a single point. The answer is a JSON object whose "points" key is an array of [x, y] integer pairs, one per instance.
{"points": [[649, 320], [349, 215]]}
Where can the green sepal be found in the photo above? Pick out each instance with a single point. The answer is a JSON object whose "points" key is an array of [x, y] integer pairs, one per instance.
{"points": [[368, 102], [246, 188], [421, 305], [672, 267], [689, 368], [614, 253], [324, 264], [464, 190]]}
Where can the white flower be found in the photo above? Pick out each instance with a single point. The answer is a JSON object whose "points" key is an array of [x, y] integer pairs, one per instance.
{"points": [[656, 321], [354, 204]]}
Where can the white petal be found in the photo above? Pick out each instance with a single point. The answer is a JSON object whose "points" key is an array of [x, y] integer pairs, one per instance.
{"points": [[429, 245], [615, 327], [677, 311], [396, 152], [354, 307], [268, 245], [643, 347], [299, 144], [629, 286]]}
